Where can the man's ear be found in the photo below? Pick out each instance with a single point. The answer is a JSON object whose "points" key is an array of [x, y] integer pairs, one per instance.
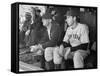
{"points": [[74, 18], [50, 20]]}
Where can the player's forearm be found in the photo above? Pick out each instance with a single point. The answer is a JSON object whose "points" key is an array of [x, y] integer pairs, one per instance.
{"points": [[82, 47]]}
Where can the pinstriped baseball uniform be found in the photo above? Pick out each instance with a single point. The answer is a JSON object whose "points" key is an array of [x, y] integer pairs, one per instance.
{"points": [[77, 36]]}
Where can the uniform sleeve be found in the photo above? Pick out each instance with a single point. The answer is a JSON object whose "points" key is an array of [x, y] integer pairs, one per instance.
{"points": [[84, 35]]}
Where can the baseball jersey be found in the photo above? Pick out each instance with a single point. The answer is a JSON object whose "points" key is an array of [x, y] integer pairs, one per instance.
{"points": [[77, 36]]}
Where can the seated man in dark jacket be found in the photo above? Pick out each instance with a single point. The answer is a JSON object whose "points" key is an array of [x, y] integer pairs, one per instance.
{"points": [[50, 47], [36, 28]]}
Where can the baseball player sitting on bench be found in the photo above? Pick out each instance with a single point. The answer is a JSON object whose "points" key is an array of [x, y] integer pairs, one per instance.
{"points": [[76, 39]]}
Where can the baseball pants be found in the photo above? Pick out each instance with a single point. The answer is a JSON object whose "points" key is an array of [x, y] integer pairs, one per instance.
{"points": [[77, 56], [52, 53]]}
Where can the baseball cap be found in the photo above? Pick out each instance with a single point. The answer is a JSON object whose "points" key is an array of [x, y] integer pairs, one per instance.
{"points": [[73, 12]]}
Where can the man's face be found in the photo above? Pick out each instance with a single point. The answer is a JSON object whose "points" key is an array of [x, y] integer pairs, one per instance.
{"points": [[70, 20], [37, 13], [28, 17], [45, 22]]}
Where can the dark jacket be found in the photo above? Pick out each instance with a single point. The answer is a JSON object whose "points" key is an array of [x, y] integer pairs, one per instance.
{"points": [[38, 36], [35, 34], [56, 34], [44, 35]]}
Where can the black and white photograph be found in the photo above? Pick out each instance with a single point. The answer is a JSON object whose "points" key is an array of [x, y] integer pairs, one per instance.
{"points": [[54, 37]]}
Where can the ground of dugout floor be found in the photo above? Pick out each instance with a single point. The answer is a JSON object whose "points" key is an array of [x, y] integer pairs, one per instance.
{"points": [[32, 62]]}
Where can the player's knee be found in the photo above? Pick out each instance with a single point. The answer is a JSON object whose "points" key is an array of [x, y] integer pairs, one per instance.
{"points": [[56, 49], [57, 60], [47, 55], [48, 49], [78, 60], [76, 55], [56, 57]]}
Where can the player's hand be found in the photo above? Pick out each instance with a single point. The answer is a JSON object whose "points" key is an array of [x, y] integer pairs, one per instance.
{"points": [[34, 48], [67, 50], [40, 47], [27, 32], [61, 50]]}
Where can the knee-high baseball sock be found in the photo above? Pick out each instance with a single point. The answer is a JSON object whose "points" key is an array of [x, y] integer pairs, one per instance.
{"points": [[49, 65], [57, 66], [42, 62], [63, 64]]}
